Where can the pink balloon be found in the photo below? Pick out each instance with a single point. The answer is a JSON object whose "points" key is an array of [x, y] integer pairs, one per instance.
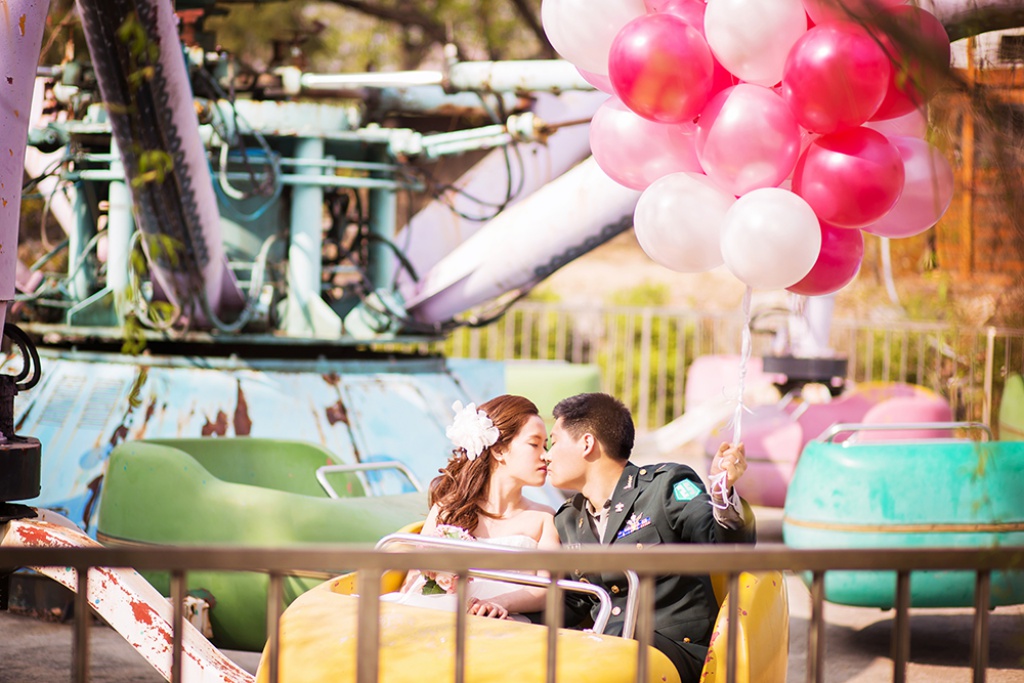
{"points": [[913, 124], [692, 12], [747, 138], [919, 47], [599, 81], [835, 77], [850, 178], [842, 251], [661, 68], [927, 190], [634, 151], [820, 11]]}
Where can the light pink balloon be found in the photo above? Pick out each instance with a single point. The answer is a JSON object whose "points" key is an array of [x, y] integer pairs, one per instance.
{"points": [[838, 261], [661, 68], [850, 178], [678, 222], [770, 239], [747, 138], [582, 31], [927, 190], [913, 124], [821, 11], [599, 81], [751, 38], [835, 77], [634, 151]]}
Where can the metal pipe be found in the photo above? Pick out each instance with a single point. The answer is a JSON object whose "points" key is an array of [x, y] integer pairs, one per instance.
{"points": [[816, 631], [461, 604], [733, 627], [120, 225], [177, 622], [304, 247], [554, 610], [82, 618], [645, 626], [901, 628], [275, 594], [368, 626], [979, 643], [383, 219]]}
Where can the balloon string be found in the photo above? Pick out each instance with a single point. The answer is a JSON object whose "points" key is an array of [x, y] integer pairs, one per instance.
{"points": [[745, 351]]}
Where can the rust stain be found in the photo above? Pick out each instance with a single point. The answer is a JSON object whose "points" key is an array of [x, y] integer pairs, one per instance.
{"points": [[337, 413], [242, 422], [33, 535], [143, 612], [218, 426], [5, 202], [21, 25], [10, 80], [119, 435], [17, 114], [94, 494], [332, 379]]}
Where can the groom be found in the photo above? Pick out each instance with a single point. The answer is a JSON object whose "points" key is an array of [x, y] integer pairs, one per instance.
{"points": [[625, 504]]}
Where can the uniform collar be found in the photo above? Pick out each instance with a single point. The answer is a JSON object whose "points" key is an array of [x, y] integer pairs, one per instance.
{"points": [[623, 497]]}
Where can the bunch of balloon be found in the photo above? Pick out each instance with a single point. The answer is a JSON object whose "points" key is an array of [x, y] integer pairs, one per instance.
{"points": [[767, 135]]}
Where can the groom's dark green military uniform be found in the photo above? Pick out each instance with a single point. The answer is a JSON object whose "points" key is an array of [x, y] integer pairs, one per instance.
{"points": [[651, 505]]}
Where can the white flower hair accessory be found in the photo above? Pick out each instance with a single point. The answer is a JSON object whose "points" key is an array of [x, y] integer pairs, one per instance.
{"points": [[471, 430]]}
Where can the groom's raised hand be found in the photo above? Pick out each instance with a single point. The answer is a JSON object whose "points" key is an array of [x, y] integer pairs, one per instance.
{"points": [[729, 459]]}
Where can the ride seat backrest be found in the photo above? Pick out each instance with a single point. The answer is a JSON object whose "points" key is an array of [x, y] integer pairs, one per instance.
{"points": [[907, 409], [762, 632]]}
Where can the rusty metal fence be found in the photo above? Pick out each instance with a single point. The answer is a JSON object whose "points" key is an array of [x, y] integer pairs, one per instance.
{"points": [[372, 563], [644, 352]]}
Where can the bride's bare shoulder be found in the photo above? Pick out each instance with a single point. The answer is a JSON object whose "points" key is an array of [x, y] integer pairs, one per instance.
{"points": [[540, 508]]}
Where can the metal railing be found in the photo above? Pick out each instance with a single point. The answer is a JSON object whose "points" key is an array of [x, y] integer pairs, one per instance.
{"points": [[644, 352], [372, 563]]}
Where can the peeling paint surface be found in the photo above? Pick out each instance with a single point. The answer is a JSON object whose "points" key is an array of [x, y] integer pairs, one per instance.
{"points": [[80, 410], [130, 605]]}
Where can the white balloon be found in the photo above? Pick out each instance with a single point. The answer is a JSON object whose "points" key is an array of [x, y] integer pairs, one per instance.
{"points": [[770, 238], [582, 31], [678, 221], [751, 38]]}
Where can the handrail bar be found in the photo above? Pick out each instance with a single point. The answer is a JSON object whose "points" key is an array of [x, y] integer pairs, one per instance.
{"points": [[842, 427], [324, 470], [604, 609], [632, 579], [689, 559]]}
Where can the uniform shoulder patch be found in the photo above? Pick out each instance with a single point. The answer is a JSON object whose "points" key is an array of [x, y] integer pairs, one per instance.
{"points": [[685, 490]]}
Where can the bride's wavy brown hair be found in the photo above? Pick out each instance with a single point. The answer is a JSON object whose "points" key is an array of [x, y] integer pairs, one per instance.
{"points": [[463, 483]]}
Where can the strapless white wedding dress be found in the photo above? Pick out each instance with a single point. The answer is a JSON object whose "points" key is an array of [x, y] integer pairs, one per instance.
{"points": [[481, 589]]}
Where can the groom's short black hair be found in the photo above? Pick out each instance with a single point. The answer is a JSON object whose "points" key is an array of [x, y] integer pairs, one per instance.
{"points": [[603, 416]]}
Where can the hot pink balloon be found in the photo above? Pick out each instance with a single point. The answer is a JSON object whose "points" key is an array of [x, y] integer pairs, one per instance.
{"points": [[919, 47], [850, 178], [747, 138], [599, 81], [927, 190], [634, 151], [661, 68], [821, 11], [835, 77], [838, 261], [692, 12]]}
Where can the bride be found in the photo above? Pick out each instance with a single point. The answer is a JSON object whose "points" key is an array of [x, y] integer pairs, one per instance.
{"points": [[499, 449]]}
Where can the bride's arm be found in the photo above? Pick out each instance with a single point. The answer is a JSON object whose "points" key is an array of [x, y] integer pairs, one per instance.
{"points": [[428, 530], [521, 599]]}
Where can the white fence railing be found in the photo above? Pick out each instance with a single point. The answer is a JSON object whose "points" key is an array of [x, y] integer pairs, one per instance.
{"points": [[643, 352]]}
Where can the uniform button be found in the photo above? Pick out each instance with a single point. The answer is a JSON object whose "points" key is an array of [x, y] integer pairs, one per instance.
{"points": [[615, 589], [576, 572], [643, 471], [639, 546], [686, 640], [616, 610]]}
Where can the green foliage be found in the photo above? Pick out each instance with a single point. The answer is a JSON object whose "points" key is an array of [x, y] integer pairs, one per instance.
{"points": [[645, 294]]}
